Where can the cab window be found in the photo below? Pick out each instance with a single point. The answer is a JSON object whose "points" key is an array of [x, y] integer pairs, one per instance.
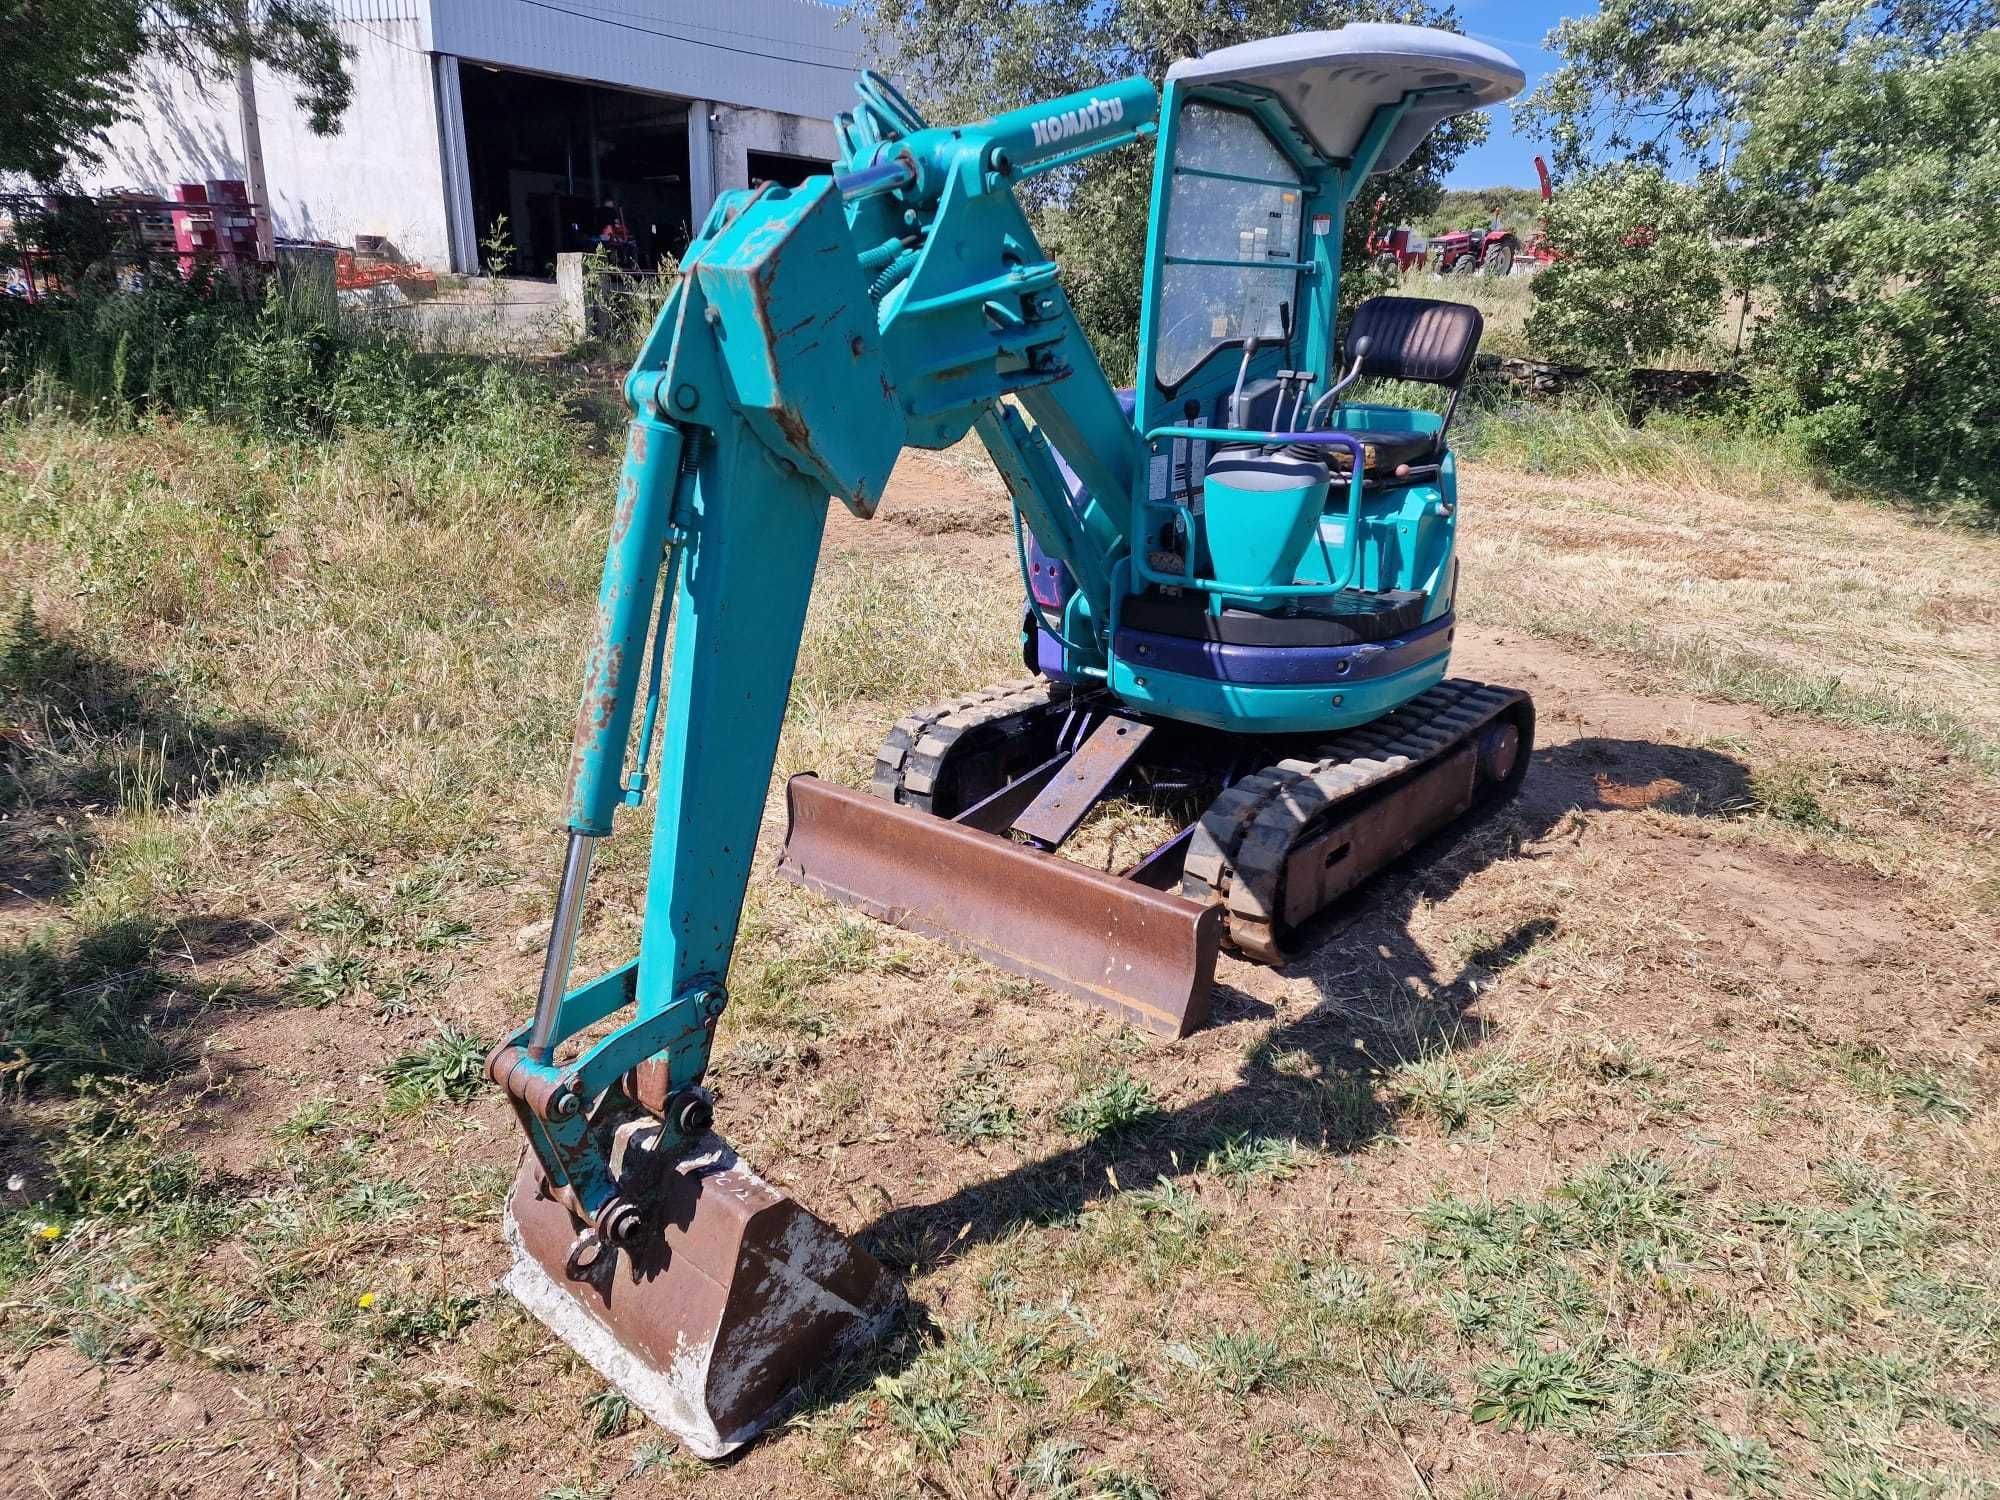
{"points": [[1251, 227]]}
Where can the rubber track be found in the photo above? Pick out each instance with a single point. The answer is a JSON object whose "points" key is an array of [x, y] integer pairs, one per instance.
{"points": [[1237, 853], [912, 757]]}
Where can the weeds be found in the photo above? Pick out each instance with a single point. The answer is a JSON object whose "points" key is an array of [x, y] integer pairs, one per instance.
{"points": [[978, 1107], [1437, 1087], [1113, 1105], [448, 1069], [83, 1008], [1538, 1390], [1745, 1464], [609, 1413], [1243, 1159]]}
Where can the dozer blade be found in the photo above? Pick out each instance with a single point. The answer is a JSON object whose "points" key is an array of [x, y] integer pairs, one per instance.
{"points": [[731, 1295], [1143, 954]]}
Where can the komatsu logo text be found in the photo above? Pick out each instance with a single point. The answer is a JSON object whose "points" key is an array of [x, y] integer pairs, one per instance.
{"points": [[1093, 116]]}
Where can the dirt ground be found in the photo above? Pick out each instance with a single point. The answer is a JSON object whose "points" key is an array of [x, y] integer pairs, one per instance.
{"points": [[1655, 964]]}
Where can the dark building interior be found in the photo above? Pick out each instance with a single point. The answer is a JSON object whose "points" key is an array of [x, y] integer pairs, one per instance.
{"points": [[565, 161]]}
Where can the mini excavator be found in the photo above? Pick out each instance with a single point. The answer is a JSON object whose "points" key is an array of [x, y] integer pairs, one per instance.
{"points": [[1238, 585]]}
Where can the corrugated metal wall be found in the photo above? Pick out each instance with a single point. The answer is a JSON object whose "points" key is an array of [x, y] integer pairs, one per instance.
{"points": [[377, 10], [789, 55]]}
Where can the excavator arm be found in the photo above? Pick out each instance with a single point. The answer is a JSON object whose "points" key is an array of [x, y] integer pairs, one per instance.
{"points": [[815, 332]]}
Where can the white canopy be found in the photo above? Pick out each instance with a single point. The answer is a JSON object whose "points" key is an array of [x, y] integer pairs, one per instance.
{"points": [[1334, 81]]}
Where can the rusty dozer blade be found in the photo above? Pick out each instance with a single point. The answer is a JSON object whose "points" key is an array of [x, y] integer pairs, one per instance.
{"points": [[1141, 953], [707, 1322]]}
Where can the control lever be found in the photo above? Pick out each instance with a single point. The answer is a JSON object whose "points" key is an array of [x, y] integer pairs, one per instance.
{"points": [[1353, 374], [1305, 379], [1236, 412]]}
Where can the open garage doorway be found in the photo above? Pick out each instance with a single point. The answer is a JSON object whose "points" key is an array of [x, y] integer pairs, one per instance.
{"points": [[571, 165]]}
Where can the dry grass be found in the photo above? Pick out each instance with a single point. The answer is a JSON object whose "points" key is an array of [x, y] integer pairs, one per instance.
{"points": [[1758, 584], [1636, 1141]]}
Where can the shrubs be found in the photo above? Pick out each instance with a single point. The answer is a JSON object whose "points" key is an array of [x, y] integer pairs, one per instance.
{"points": [[279, 370], [1638, 277]]}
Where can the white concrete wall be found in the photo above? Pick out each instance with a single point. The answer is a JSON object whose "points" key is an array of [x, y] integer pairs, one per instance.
{"points": [[380, 175], [734, 133]]}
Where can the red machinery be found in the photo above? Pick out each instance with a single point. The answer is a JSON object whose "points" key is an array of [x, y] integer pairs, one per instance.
{"points": [[209, 224], [1400, 250], [1538, 252]]}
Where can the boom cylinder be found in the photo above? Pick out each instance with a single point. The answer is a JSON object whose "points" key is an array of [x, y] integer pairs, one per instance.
{"points": [[626, 601]]}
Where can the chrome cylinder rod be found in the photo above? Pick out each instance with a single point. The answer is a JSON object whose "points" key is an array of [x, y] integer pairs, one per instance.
{"points": [[562, 945]]}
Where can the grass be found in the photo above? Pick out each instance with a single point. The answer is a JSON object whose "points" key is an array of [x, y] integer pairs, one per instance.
{"points": [[1568, 1155], [450, 1068], [1115, 1103]]}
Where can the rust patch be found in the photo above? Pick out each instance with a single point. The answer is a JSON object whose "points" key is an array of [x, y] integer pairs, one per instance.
{"points": [[1142, 954], [730, 1294], [797, 434]]}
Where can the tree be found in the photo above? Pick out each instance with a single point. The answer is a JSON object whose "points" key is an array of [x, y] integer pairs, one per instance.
{"points": [[1845, 159], [1638, 276], [66, 66], [967, 59]]}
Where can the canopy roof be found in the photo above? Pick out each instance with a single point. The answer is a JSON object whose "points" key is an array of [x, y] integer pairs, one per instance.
{"points": [[1332, 82]]}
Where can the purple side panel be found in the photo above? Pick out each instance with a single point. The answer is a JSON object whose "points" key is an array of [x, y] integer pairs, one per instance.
{"points": [[1284, 665], [1049, 579], [1049, 656]]}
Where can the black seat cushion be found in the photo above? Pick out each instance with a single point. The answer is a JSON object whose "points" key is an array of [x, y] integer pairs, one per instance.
{"points": [[1381, 452], [1348, 619], [1416, 338]]}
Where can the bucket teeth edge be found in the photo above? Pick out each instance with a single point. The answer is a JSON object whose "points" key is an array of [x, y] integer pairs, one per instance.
{"points": [[673, 1399], [674, 1404]]}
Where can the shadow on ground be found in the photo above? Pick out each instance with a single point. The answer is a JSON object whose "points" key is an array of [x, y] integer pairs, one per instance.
{"points": [[128, 999], [1384, 1000], [84, 734]]}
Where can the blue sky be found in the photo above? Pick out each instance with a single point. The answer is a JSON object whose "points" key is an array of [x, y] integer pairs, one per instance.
{"points": [[1517, 29]]}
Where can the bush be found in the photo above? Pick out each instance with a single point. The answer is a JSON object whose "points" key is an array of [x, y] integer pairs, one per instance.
{"points": [[1883, 335], [279, 370], [1639, 276]]}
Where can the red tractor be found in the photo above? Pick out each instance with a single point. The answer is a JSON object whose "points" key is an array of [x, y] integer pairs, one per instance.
{"points": [[1495, 250]]}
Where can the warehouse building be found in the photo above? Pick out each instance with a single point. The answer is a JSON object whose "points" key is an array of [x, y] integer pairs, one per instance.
{"points": [[556, 114]]}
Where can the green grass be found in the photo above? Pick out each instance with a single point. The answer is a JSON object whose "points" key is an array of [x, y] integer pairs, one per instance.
{"points": [[300, 704], [450, 1068], [1438, 1087], [1115, 1103]]}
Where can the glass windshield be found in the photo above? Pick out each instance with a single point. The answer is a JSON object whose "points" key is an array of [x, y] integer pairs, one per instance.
{"points": [[1246, 225]]}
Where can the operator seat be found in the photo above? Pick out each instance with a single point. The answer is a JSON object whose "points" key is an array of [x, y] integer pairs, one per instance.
{"points": [[1409, 338]]}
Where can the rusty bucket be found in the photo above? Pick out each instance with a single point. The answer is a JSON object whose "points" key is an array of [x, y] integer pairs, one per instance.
{"points": [[708, 1321]]}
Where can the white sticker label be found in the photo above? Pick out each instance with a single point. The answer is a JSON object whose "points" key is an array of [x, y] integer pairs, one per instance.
{"points": [[1157, 481], [1322, 225]]}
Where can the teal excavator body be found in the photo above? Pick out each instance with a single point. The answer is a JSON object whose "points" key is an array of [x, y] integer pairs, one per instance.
{"points": [[1235, 580]]}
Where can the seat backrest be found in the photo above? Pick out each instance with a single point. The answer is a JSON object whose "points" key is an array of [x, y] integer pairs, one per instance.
{"points": [[1416, 338]]}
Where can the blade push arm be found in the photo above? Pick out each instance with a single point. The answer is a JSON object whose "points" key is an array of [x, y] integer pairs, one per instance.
{"points": [[814, 334]]}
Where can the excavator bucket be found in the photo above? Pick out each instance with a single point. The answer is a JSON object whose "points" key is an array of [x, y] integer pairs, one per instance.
{"points": [[1140, 953], [707, 1321]]}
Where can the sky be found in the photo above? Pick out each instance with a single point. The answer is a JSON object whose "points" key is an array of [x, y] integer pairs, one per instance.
{"points": [[1516, 27]]}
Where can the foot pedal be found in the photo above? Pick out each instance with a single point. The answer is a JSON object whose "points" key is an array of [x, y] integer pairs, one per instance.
{"points": [[730, 1296]]}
